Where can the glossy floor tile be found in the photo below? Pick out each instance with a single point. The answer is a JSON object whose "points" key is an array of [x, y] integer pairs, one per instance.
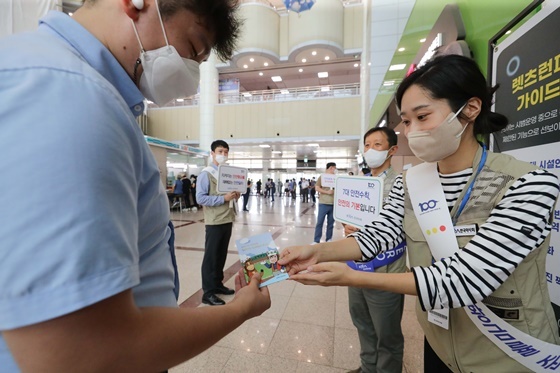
{"points": [[307, 328]]}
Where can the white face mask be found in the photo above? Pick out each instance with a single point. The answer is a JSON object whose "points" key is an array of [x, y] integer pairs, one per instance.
{"points": [[221, 159], [167, 76], [375, 158], [440, 142]]}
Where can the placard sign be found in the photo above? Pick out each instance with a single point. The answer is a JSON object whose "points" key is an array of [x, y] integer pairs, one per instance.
{"points": [[328, 180], [527, 68], [357, 199], [232, 179]]}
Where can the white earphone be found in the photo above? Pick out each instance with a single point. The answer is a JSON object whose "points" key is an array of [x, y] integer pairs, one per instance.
{"points": [[138, 4]]}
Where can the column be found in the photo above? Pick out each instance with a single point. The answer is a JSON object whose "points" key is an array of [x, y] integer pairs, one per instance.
{"points": [[208, 99]]}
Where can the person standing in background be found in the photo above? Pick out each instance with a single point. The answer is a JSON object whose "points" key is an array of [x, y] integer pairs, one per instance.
{"points": [[101, 293], [377, 314], [279, 184], [312, 191], [326, 200], [219, 214], [247, 195], [305, 190]]}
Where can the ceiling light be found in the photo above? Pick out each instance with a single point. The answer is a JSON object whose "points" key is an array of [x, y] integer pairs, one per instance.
{"points": [[276, 79], [323, 74], [261, 73], [180, 99], [303, 60], [264, 145], [422, 40], [245, 66], [399, 66], [313, 144], [284, 91], [251, 59], [327, 58], [247, 94], [325, 89], [356, 64], [314, 53], [276, 152], [401, 49], [300, 70]]}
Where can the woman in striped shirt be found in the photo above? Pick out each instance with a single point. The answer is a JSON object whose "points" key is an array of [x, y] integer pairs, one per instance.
{"points": [[504, 206]]}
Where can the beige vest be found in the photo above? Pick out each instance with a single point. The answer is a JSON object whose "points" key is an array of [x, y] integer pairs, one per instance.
{"points": [[463, 348], [216, 215], [399, 265], [326, 199]]}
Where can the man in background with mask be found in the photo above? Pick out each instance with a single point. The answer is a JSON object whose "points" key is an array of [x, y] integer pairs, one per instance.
{"points": [[219, 214], [377, 314], [93, 289]]}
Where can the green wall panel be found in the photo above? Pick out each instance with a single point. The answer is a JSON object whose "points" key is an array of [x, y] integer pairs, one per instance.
{"points": [[482, 20]]}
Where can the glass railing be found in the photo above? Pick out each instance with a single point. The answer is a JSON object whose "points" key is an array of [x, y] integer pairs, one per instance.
{"points": [[275, 95]]}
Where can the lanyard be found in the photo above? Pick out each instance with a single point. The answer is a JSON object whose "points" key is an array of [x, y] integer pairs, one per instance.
{"points": [[470, 188]]}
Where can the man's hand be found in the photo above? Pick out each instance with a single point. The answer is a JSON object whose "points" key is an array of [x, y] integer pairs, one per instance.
{"points": [[298, 258], [326, 274], [253, 299], [231, 195], [348, 229]]}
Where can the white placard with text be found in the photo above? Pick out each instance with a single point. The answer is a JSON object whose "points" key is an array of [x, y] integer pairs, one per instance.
{"points": [[328, 180], [357, 199], [232, 179]]}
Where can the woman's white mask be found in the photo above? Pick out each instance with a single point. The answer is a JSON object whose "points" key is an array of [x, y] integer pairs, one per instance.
{"points": [[167, 76]]}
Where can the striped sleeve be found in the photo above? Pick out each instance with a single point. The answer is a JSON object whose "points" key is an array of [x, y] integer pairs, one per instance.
{"points": [[386, 232], [516, 226]]}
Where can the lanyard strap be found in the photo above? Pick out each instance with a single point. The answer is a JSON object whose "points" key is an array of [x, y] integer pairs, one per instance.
{"points": [[470, 188], [426, 194]]}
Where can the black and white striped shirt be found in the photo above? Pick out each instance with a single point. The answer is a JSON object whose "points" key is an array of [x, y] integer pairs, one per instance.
{"points": [[486, 262]]}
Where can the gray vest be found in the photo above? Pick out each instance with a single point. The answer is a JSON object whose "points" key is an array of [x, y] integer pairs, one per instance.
{"points": [[216, 215]]}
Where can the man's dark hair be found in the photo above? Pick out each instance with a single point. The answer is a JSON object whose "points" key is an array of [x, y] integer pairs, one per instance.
{"points": [[330, 164], [218, 16], [218, 143], [391, 136]]}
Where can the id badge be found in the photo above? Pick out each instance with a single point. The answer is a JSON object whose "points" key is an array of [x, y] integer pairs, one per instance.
{"points": [[465, 230], [439, 317]]}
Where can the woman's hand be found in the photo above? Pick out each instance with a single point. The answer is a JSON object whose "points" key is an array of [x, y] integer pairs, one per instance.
{"points": [[326, 274], [298, 258]]}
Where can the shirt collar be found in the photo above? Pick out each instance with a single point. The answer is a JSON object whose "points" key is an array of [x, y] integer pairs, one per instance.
{"points": [[96, 55]]}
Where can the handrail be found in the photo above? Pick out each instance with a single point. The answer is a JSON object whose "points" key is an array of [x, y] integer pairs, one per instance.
{"points": [[275, 95]]}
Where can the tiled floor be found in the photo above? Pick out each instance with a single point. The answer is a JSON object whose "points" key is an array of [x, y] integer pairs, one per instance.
{"points": [[307, 328]]}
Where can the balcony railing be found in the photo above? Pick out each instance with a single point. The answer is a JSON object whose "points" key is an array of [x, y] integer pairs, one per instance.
{"points": [[275, 95]]}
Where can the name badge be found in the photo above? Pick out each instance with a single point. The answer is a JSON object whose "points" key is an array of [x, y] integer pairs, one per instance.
{"points": [[439, 317], [465, 230]]}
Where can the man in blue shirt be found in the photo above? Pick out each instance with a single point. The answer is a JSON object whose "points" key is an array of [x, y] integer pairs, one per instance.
{"points": [[219, 215], [87, 275]]}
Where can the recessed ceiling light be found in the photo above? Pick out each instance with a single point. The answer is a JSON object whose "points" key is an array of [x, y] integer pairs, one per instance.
{"points": [[265, 64], [304, 60], [251, 59], [314, 53], [401, 49], [284, 91], [247, 94], [180, 99], [300, 70], [327, 58], [276, 79], [264, 145], [276, 152], [396, 67], [325, 89], [245, 66], [323, 74], [261, 73], [422, 40], [356, 64]]}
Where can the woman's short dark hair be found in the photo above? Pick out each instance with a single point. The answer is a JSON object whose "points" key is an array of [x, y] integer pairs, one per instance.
{"points": [[456, 79], [218, 16]]}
